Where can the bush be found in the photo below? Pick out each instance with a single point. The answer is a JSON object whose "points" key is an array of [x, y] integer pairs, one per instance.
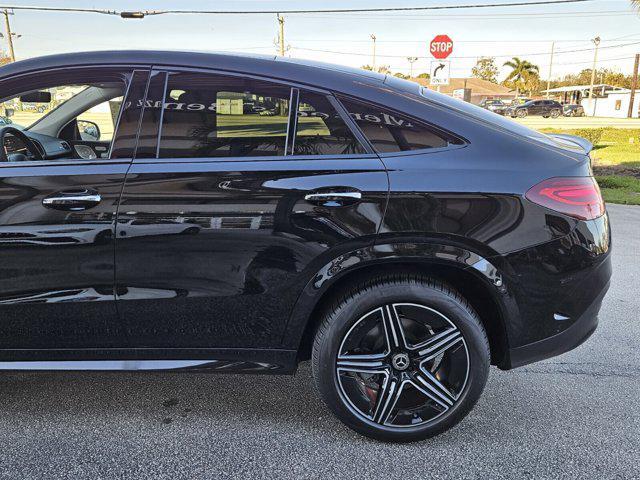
{"points": [[594, 135]]}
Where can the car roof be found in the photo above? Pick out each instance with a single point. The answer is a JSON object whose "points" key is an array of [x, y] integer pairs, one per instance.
{"points": [[297, 70], [336, 78]]}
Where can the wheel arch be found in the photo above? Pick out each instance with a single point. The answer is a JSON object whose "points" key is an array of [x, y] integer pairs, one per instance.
{"points": [[474, 277]]}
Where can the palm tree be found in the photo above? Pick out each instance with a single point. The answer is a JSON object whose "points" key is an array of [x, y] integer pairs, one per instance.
{"points": [[521, 71]]}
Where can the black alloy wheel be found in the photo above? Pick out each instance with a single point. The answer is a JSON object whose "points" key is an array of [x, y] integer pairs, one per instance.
{"points": [[401, 359]]}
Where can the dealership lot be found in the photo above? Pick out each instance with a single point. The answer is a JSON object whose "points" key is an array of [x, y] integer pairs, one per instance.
{"points": [[576, 416]]}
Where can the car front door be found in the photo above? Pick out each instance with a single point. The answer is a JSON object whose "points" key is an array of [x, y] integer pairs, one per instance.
{"points": [[535, 108], [231, 205], [57, 225]]}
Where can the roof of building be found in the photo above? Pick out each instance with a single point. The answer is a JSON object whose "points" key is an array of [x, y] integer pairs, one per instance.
{"points": [[580, 88], [477, 86]]}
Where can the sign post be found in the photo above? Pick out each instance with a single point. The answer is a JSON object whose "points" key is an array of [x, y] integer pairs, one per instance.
{"points": [[440, 47]]}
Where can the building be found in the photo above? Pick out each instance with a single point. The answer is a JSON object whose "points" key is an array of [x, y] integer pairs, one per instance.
{"points": [[607, 101], [479, 89], [615, 104]]}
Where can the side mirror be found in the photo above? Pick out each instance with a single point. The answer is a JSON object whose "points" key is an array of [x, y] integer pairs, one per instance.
{"points": [[89, 130], [36, 97]]}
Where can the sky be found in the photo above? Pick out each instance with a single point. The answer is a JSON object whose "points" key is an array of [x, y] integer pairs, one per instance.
{"points": [[526, 32]]}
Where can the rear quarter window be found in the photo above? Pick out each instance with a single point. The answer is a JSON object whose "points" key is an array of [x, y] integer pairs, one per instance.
{"points": [[389, 131]]}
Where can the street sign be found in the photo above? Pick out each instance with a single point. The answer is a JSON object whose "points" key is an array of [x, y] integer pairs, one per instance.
{"points": [[441, 46], [439, 72]]}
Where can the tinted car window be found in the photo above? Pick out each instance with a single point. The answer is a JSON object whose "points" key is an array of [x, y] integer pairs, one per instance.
{"points": [[218, 116], [391, 131], [320, 130]]}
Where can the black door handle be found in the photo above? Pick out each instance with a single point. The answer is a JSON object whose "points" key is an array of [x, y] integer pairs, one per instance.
{"points": [[333, 198], [72, 200]]}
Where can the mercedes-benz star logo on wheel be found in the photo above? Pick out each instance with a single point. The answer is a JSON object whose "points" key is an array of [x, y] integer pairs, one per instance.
{"points": [[400, 361]]}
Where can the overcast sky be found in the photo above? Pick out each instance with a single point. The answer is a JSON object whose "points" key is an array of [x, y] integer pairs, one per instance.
{"points": [[344, 38]]}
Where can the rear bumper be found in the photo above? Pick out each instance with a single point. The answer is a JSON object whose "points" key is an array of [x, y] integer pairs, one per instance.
{"points": [[557, 289], [562, 342]]}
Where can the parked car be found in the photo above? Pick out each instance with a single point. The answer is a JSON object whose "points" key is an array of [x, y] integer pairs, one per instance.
{"points": [[399, 239], [494, 105], [546, 108], [519, 101], [573, 110]]}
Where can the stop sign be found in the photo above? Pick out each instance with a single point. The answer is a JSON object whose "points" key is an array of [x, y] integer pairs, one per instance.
{"points": [[441, 46]]}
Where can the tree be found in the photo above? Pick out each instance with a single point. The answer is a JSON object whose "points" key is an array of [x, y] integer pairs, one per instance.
{"points": [[486, 69], [424, 75], [380, 69], [522, 72], [603, 75]]}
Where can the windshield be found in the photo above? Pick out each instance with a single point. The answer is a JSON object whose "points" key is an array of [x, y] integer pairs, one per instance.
{"points": [[27, 108]]}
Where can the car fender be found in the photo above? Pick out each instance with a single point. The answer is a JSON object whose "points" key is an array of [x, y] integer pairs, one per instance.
{"points": [[490, 271]]}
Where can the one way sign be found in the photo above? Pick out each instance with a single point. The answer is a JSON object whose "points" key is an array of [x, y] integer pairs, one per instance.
{"points": [[439, 72]]}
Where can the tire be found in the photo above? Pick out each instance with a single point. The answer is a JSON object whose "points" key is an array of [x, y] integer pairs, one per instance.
{"points": [[555, 113], [522, 113], [439, 336]]}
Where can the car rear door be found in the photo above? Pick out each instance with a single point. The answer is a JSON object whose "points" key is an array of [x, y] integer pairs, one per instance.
{"points": [[232, 203], [57, 225]]}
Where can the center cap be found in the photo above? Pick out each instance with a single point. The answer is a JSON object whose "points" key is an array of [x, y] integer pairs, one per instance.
{"points": [[400, 361]]}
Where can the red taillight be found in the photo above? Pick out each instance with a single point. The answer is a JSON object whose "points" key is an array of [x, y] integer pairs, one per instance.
{"points": [[577, 197]]}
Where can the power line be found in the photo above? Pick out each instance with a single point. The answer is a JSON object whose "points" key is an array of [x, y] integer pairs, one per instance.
{"points": [[465, 69], [593, 13], [296, 11], [422, 41], [336, 52]]}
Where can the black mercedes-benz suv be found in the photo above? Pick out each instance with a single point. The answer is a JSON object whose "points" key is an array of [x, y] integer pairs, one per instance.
{"points": [[221, 213]]}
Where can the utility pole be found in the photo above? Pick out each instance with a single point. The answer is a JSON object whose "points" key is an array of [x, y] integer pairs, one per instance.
{"points": [[411, 61], [634, 86], [596, 42], [553, 47], [281, 36], [373, 63], [12, 53]]}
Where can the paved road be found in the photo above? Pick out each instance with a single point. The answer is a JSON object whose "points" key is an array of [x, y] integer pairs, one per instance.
{"points": [[576, 416]]}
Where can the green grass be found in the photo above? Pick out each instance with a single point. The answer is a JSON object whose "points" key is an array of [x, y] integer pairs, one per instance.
{"points": [[613, 146], [620, 189]]}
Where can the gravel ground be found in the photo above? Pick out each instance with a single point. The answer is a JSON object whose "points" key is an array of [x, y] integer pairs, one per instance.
{"points": [[575, 416]]}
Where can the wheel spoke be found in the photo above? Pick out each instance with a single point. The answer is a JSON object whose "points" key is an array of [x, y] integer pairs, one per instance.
{"points": [[432, 387], [438, 344], [393, 326], [387, 398], [399, 384], [362, 363]]}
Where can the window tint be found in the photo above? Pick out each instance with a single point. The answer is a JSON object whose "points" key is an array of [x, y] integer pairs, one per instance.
{"points": [[147, 146], [390, 131], [320, 129], [127, 128], [218, 116]]}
